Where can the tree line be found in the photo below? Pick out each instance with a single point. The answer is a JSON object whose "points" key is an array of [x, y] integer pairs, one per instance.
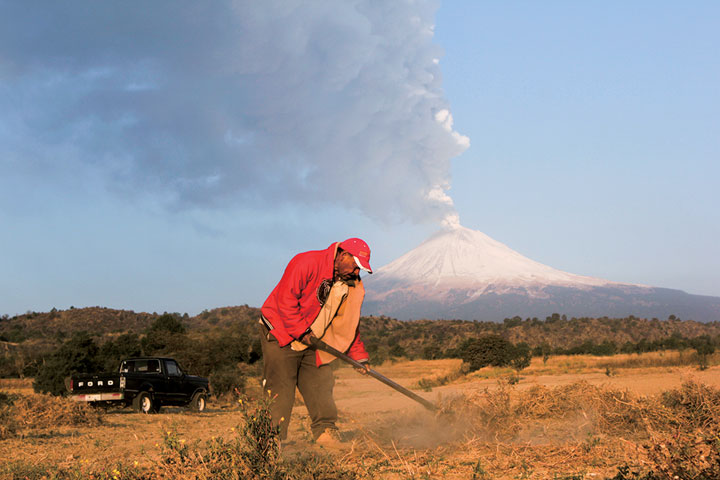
{"points": [[223, 343]]}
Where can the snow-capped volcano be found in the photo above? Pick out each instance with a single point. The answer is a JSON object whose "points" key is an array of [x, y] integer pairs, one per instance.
{"points": [[461, 257], [463, 273]]}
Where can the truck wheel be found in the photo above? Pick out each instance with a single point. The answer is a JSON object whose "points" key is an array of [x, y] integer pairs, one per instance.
{"points": [[198, 402], [143, 403]]}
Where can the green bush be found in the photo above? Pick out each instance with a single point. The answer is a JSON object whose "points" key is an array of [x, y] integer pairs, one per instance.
{"points": [[490, 350], [397, 351], [167, 323], [493, 350], [113, 352], [226, 380], [521, 356], [164, 335], [432, 352], [77, 355]]}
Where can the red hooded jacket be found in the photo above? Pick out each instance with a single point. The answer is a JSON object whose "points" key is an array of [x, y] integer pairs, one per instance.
{"points": [[294, 304]]}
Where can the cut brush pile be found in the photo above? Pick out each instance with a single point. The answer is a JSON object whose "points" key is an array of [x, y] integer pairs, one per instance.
{"points": [[19, 413], [572, 431]]}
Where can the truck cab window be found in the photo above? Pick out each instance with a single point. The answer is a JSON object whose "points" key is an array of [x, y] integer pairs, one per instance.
{"points": [[147, 366], [172, 368]]}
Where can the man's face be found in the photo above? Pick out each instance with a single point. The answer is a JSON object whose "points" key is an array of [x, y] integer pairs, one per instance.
{"points": [[345, 267]]}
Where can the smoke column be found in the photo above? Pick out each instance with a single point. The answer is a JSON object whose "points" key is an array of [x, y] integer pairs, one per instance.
{"points": [[209, 104]]}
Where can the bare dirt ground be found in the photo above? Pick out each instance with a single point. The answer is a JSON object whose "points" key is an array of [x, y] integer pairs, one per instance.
{"points": [[390, 435]]}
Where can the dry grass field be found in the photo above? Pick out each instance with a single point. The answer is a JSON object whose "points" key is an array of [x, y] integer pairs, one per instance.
{"points": [[576, 417]]}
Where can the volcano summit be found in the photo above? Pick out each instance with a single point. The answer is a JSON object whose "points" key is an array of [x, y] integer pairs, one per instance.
{"points": [[461, 273]]}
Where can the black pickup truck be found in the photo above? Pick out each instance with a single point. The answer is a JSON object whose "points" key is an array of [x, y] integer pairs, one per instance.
{"points": [[146, 383]]}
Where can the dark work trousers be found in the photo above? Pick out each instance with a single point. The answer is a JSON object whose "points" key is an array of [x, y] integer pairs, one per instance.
{"points": [[283, 370]]}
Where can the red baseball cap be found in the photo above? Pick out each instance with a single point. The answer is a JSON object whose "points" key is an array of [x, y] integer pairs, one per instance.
{"points": [[360, 251]]}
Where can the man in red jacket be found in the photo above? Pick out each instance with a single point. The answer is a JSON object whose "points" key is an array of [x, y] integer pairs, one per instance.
{"points": [[320, 294]]}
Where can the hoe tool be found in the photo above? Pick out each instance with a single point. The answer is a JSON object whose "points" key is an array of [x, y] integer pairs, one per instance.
{"points": [[320, 345]]}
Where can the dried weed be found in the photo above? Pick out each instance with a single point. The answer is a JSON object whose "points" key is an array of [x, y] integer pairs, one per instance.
{"points": [[21, 412]]}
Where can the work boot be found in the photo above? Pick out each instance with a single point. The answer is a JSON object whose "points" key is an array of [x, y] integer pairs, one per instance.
{"points": [[329, 439]]}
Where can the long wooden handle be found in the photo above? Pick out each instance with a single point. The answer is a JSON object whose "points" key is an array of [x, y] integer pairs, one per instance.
{"points": [[320, 345]]}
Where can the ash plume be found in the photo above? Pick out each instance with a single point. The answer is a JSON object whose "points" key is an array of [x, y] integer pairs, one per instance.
{"points": [[237, 102]]}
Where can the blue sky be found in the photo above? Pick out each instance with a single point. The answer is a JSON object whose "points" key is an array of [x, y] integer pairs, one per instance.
{"points": [[175, 160]]}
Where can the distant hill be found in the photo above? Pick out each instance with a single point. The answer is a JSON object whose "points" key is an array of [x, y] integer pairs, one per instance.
{"points": [[238, 317], [101, 321], [95, 320]]}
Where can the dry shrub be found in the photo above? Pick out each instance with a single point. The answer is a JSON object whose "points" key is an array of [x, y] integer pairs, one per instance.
{"points": [[559, 402], [679, 430], [621, 413], [45, 411], [484, 413], [8, 423], [692, 456], [427, 383], [690, 407], [613, 412], [694, 404], [688, 447], [504, 412], [667, 358]]}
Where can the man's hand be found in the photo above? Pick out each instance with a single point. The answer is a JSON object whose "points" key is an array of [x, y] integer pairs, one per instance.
{"points": [[307, 338], [364, 370]]}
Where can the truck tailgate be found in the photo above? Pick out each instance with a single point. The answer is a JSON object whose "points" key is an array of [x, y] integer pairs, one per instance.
{"points": [[95, 384]]}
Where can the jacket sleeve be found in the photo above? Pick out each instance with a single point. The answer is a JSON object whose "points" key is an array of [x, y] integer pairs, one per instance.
{"points": [[289, 291], [357, 349]]}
